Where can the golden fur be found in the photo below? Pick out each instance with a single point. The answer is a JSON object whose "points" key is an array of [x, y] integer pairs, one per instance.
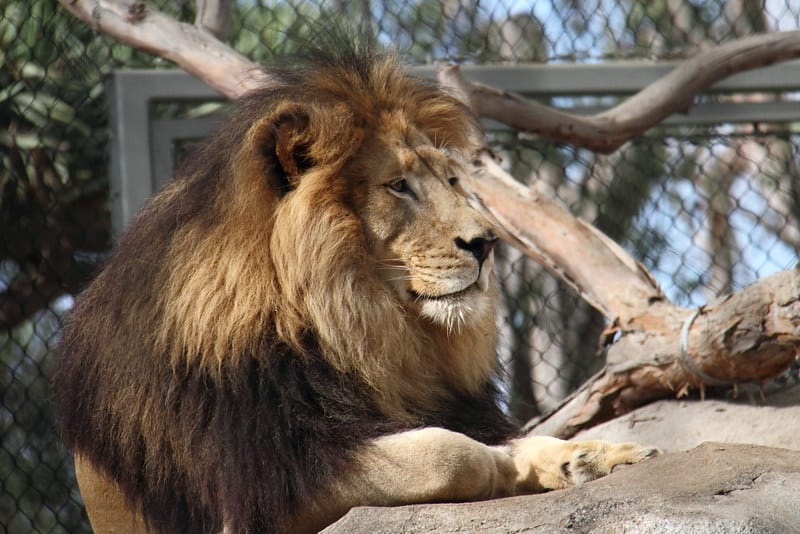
{"points": [[300, 262], [309, 290]]}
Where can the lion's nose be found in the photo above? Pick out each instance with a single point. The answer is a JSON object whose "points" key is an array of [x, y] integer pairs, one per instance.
{"points": [[480, 247]]}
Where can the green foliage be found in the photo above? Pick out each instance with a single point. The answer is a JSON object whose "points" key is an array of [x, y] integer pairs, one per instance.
{"points": [[52, 108]]}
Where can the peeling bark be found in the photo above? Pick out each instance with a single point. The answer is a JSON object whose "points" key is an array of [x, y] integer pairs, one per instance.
{"points": [[750, 336]]}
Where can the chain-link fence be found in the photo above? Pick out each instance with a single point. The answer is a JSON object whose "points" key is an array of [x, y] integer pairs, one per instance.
{"points": [[708, 209]]}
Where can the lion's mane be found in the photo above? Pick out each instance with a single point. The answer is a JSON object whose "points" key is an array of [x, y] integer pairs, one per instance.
{"points": [[238, 346]]}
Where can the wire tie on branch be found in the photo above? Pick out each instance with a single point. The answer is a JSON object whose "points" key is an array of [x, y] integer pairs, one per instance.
{"points": [[688, 362]]}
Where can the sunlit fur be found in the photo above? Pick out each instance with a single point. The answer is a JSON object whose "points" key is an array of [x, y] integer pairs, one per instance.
{"points": [[464, 311], [280, 248], [300, 262]]}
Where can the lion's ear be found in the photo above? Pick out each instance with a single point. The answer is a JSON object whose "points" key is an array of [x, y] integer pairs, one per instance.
{"points": [[287, 144]]}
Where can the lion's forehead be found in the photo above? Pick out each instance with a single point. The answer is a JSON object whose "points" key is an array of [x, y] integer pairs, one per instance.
{"points": [[422, 159]]}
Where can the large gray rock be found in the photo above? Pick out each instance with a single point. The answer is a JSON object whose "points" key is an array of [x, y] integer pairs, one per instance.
{"points": [[715, 488]]}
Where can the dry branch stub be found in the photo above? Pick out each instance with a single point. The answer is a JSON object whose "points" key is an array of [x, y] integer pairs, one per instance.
{"points": [[214, 16]]}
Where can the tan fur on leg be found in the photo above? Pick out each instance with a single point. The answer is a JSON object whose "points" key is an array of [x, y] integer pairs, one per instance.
{"points": [[425, 465], [107, 508]]}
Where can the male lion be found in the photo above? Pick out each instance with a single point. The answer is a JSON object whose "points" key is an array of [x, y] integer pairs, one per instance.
{"points": [[303, 321]]}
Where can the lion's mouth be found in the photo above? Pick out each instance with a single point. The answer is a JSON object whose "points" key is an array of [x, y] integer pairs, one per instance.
{"points": [[479, 285], [447, 296]]}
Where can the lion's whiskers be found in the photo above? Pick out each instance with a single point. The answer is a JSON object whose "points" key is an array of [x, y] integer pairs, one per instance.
{"points": [[389, 267]]}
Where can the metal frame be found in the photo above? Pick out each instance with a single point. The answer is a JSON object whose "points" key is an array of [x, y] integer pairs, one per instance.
{"points": [[130, 96], [141, 146]]}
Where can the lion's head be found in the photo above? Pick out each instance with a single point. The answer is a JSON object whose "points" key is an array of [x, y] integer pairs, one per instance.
{"points": [[341, 216], [430, 247]]}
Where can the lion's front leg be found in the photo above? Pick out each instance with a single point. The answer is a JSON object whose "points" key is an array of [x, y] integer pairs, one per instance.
{"points": [[545, 463], [418, 466], [437, 465], [427, 465]]}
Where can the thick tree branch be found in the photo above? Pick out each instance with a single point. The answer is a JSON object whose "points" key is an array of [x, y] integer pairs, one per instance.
{"points": [[194, 50], [607, 131], [750, 336], [747, 337], [597, 268]]}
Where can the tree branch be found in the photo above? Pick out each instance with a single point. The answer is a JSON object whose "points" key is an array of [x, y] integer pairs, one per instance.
{"points": [[747, 337], [750, 336], [607, 131], [601, 271], [196, 51]]}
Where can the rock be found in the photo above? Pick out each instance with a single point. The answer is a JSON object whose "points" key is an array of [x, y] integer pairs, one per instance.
{"points": [[680, 425], [713, 489]]}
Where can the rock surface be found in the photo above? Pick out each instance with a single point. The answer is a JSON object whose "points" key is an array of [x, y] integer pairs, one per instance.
{"points": [[681, 425], [715, 488]]}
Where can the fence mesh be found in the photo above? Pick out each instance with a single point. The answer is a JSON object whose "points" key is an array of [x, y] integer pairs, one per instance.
{"points": [[706, 209]]}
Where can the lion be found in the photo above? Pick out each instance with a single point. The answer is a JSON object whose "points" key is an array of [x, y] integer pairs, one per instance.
{"points": [[303, 321]]}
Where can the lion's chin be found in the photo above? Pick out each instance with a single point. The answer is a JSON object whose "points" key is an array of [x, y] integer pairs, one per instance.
{"points": [[460, 310], [464, 308]]}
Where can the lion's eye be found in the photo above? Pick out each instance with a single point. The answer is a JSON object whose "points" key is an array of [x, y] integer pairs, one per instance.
{"points": [[400, 185], [453, 181]]}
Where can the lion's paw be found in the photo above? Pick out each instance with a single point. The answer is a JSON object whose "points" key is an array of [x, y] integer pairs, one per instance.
{"points": [[545, 463], [595, 459]]}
